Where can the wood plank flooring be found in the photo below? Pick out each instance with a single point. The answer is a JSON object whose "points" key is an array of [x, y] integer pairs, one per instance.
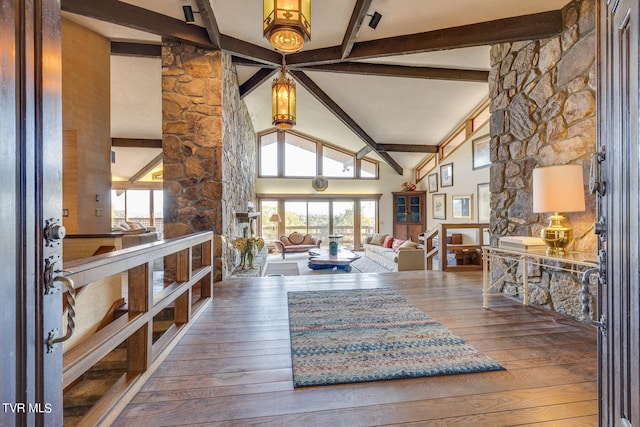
{"points": [[233, 367]]}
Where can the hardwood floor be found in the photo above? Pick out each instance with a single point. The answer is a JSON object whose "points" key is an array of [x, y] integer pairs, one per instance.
{"points": [[233, 367]]}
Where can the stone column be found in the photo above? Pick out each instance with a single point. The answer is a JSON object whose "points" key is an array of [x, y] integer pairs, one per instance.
{"points": [[203, 186], [543, 113]]}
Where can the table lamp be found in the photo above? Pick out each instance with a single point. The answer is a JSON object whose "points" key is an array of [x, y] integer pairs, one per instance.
{"points": [[558, 189]]}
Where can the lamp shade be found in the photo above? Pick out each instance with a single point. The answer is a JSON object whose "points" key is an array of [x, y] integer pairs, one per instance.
{"points": [[558, 189], [275, 218]]}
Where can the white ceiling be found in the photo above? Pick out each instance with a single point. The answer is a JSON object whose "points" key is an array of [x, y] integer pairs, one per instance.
{"points": [[389, 109]]}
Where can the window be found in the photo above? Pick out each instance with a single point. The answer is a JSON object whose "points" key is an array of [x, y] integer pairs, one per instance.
{"points": [[138, 205], [269, 228], [368, 169], [292, 155], [336, 163], [269, 154], [299, 156], [350, 215], [425, 167], [368, 218], [481, 118], [452, 143], [343, 221]]}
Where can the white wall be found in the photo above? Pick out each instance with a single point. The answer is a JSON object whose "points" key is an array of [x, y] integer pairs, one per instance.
{"points": [[465, 181], [136, 97]]}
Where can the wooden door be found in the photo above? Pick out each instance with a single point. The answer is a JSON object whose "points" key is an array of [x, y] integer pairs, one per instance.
{"points": [[618, 122], [30, 176]]}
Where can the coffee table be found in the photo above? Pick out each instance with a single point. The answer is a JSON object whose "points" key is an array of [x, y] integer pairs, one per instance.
{"points": [[320, 259]]}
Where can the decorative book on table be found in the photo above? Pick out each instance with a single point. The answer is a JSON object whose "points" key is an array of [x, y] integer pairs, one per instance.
{"points": [[523, 243]]}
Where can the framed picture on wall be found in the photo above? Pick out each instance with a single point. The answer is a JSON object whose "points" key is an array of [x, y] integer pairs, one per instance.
{"points": [[446, 175], [432, 181], [484, 200], [439, 206], [481, 153], [462, 207]]}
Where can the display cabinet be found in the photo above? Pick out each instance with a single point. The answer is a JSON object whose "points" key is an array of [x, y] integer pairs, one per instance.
{"points": [[409, 220]]}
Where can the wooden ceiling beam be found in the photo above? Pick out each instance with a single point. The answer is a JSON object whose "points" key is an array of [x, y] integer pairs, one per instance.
{"points": [[136, 143], [528, 27], [403, 71], [144, 50], [251, 63], [329, 103], [256, 80], [358, 15], [128, 15], [250, 51], [146, 169], [209, 19], [408, 148]]}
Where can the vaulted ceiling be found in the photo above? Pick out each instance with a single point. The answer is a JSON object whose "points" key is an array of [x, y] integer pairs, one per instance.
{"points": [[397, 90]]}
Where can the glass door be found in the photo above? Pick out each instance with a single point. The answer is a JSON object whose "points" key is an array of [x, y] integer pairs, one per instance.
{"points": [[343, 222], [318, 220]]}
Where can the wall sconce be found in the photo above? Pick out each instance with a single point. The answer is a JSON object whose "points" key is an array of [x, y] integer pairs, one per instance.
{"points": [[558, 189]]}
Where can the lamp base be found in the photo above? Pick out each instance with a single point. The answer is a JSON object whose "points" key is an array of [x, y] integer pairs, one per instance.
{"points": [[557, 236]]}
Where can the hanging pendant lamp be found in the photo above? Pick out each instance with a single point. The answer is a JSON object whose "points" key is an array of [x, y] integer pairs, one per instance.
{"points": [[283, 100], [287, 23]]}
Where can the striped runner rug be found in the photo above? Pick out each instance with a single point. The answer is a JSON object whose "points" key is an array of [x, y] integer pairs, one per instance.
{"points": [[347, 336]]}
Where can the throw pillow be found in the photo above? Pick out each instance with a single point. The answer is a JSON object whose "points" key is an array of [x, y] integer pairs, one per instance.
{"points": [[378, 239], [296, 238], [388, 242], [136, 226], [396, 244], [408, 245]]}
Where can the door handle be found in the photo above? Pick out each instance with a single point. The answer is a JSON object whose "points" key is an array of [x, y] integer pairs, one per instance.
{"points": [[70, 293], [585, 298], [595, 184]]}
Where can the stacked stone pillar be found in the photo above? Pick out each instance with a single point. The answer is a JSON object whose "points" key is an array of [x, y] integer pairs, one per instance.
{"points": [[543, 112], [203, 188]]}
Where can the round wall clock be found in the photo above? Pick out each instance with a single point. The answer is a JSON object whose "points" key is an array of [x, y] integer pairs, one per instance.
{"points": [[319, 183]]}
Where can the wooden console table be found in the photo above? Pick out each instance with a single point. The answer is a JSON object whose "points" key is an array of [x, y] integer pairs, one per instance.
{"points": [[539, 257]]}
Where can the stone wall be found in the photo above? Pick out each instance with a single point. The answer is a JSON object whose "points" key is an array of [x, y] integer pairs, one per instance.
{"points": [[239, 163], [543, 112], [208, 147]]}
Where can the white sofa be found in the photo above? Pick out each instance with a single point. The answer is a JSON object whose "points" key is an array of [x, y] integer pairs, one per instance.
{"points": [[406, 258]]}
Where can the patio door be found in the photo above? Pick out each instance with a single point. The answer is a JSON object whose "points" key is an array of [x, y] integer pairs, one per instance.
{"points": [[618, 140], [31, 203]]}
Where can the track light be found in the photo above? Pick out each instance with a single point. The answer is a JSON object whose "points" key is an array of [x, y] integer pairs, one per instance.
{"points": [[188, 15], [375, 20]]}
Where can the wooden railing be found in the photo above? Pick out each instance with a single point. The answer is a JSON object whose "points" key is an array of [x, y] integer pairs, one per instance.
{"points": [[435, 244], [188, 295]]}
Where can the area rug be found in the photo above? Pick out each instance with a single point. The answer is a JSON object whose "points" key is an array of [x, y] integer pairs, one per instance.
{"points": [[281, 269], [347, 336], [365, 265]]}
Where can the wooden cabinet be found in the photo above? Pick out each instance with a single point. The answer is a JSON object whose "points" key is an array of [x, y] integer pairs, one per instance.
{"points": [[409, 214]]}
